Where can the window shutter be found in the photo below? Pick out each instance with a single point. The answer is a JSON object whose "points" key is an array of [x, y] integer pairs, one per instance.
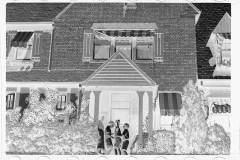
{"points": [[22, 102], [73, 99], [37, 45], [88, 46], [159, 47], [10, 36]]}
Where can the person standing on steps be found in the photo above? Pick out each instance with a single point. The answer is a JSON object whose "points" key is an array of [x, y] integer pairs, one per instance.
{"points": [[109, 137], [100, 146], [118, 139], [125, 139]]}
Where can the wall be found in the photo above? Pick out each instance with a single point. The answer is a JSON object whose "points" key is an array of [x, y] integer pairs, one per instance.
{"points": [[180, 47]]}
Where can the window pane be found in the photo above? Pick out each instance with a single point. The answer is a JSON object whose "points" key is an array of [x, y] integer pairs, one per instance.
{"points": [[101, 51], [63, 99], [24, 53], [120, 104], [126, 49], [120, 97], [144, 52]]}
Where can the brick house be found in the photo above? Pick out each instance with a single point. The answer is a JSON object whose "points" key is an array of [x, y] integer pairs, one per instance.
{"points": [[213, 36], [131, 60]]}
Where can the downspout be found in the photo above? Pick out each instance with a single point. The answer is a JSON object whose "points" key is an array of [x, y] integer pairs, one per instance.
{"points": [[51, 50]]}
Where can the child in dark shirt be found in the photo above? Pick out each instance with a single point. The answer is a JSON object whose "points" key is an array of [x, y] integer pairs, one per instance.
{"points": [[108, 135], [125, 138], [118, 139]]}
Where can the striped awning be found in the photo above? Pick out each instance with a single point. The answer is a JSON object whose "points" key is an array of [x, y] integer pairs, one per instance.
{"points": [[170, 104], [21, 39], [225, 35], [223, 108], [128, 33]]}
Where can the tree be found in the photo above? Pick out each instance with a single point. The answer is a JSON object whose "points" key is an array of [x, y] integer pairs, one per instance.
{"points": [[191, 127]]}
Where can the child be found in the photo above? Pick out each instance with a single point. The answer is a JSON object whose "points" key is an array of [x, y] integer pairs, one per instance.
{"points": [[125, 138], [118, 139], [108, 135], [100, 145]]}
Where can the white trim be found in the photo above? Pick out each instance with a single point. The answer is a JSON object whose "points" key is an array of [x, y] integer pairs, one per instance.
{"points": [[119, 88], [43, 84], [222, 83], [29, 26], [194, 7], [14, 100]]}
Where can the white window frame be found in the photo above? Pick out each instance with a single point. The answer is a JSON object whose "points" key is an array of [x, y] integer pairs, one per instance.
{"points": [[61, 95], [14, 100]]}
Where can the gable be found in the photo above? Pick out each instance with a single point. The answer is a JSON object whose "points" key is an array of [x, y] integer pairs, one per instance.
{"points": [[119, 70], [224, 26]]}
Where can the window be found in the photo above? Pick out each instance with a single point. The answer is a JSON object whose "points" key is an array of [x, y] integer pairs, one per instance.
{"points": [[10, 101], [62, 100], [25, 53], [101, 51], [22, 46], [140, 45], [224, 45], [125, 49], [101, 47]]}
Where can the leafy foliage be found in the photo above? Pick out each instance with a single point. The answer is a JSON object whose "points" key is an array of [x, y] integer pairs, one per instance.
{"points": [[41, 132], [191, 127], [218, 141], [161, 142], [193, 136]]}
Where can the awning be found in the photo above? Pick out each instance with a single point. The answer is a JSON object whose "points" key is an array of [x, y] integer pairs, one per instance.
{"points": [[225, 35], [124, 26], [224, 108], [128, 33], [21, 39], [170, 104]]}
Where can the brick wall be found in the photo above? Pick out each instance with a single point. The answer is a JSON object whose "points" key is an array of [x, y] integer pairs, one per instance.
{"points": [[180, 47]]}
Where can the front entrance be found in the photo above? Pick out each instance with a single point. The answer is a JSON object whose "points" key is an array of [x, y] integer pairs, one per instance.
{"points": [[120, 107]]}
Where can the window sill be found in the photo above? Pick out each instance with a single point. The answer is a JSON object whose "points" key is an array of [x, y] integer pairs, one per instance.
{"points": [[136, 61]]}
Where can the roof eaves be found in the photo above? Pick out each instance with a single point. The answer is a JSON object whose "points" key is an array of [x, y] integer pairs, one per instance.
{"points": [[63, 11], [195, 8]]}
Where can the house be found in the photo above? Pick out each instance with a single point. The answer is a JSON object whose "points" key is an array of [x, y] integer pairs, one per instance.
{"points": [[213, 32], [132, 60]]}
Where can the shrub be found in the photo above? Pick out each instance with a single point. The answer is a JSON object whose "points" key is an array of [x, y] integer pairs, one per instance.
{"points": [[40, 132], [161, 142], [191, 126], [218, 141]]}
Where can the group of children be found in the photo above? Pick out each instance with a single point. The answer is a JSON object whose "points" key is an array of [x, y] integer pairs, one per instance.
{"points": [[121, 138]]}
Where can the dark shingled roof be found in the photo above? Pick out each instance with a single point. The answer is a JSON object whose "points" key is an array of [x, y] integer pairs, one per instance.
{"points": [[33, 12], [210, 16], [45, 76]]}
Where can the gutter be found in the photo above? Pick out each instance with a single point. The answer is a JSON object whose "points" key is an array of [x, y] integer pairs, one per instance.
{"points": [[51, 50]]}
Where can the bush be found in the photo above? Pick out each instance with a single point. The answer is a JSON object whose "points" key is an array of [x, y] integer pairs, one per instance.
{"points": [[218, 141], [40, 132], [191, 127], [161, 142]]}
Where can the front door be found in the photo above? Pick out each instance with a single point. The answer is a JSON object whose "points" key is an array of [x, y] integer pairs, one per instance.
{"points": [[120, 107]]}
